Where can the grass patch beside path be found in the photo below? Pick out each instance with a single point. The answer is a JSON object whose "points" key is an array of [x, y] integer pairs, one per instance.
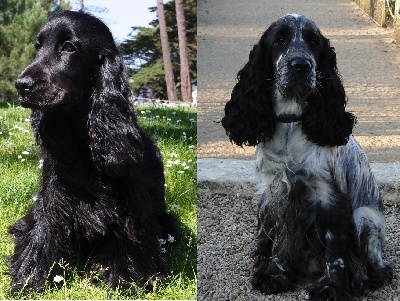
{"points": [[174, 129]]}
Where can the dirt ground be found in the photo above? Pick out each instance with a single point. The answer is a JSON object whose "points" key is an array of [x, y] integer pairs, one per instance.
{"points": [[368, 61]]}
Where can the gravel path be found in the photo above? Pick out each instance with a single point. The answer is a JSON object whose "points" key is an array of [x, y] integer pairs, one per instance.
{"points": [[226, 239]]}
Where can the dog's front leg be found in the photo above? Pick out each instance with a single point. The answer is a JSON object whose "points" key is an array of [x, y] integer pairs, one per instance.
{"points": [[36, 255], [128, 261], [345, 273], [269, 276]]}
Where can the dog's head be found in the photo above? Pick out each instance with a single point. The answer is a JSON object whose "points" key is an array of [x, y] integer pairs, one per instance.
{"points": [[292, 61], [296, 45], [70, 50]]}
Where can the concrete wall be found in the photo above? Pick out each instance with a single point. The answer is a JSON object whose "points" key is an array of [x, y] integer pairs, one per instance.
{"points": [[374, 8], [396, 25]]}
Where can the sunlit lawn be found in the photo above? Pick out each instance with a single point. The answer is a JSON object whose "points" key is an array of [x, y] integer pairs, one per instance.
{"points": [[174, 129]]}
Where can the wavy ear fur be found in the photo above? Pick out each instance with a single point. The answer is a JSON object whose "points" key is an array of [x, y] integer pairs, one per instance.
{"points": [[249, 115], [116, 141], [325, 121]]}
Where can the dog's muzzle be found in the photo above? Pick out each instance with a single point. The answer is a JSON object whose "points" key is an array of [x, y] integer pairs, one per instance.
{"points": [[296, 77]]}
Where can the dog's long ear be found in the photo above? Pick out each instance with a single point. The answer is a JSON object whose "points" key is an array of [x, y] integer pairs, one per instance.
{"points": [[325, 120], [249, 115], [116, 142]]}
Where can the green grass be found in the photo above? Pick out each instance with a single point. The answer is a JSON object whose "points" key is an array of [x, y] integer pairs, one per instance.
{"points": [[174, 129]]}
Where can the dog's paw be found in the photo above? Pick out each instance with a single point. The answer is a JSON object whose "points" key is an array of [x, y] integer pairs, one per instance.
{"points": [[322, 292], [270, 277], [16, 290], [19, 289], [272, 284]]}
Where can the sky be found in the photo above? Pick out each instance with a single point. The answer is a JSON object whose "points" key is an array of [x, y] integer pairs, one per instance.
{"points": [[121, 15]]}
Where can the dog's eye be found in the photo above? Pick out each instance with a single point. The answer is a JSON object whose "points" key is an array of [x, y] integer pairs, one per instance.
{"points": [[68, 47], [37, 45], [314, 42], [280, 41]]}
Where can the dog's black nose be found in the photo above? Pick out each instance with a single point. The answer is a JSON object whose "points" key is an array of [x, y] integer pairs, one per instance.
{"points": [[24, 85], [301, 64]]}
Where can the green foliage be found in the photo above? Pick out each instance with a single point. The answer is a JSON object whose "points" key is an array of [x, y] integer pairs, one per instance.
{"points": [[145, 47], [153, 76], [20, 21], [390, 6], [175, 132]]}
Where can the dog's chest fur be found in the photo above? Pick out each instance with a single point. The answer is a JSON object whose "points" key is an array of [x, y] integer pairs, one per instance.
{"points": [[289, 159], [289, 150], [294, 174]]}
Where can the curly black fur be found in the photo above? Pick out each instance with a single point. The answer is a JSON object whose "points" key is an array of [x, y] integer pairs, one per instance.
{"points": [[101, 201]]}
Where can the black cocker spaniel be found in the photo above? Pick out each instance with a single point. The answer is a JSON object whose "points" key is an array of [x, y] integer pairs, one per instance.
{"points": [[101, 200], [320, 212]]}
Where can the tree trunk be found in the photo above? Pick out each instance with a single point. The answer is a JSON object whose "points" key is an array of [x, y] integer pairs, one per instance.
{"points": [[169, 74], [183, 52]]}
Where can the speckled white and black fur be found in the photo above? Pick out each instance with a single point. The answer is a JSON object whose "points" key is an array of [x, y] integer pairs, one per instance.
{"points": [[320, 210]]}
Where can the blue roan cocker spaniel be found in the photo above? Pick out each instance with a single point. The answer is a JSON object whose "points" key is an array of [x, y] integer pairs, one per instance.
{"points": [[320, 211], [101, 204]]}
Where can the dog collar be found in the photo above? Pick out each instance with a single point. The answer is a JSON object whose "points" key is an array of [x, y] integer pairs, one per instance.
{"points": [[288, 118]]}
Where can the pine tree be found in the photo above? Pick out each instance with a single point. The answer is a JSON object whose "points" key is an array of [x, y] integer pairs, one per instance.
{"points": [[143, 50], [183, 52], [169, 74]]}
